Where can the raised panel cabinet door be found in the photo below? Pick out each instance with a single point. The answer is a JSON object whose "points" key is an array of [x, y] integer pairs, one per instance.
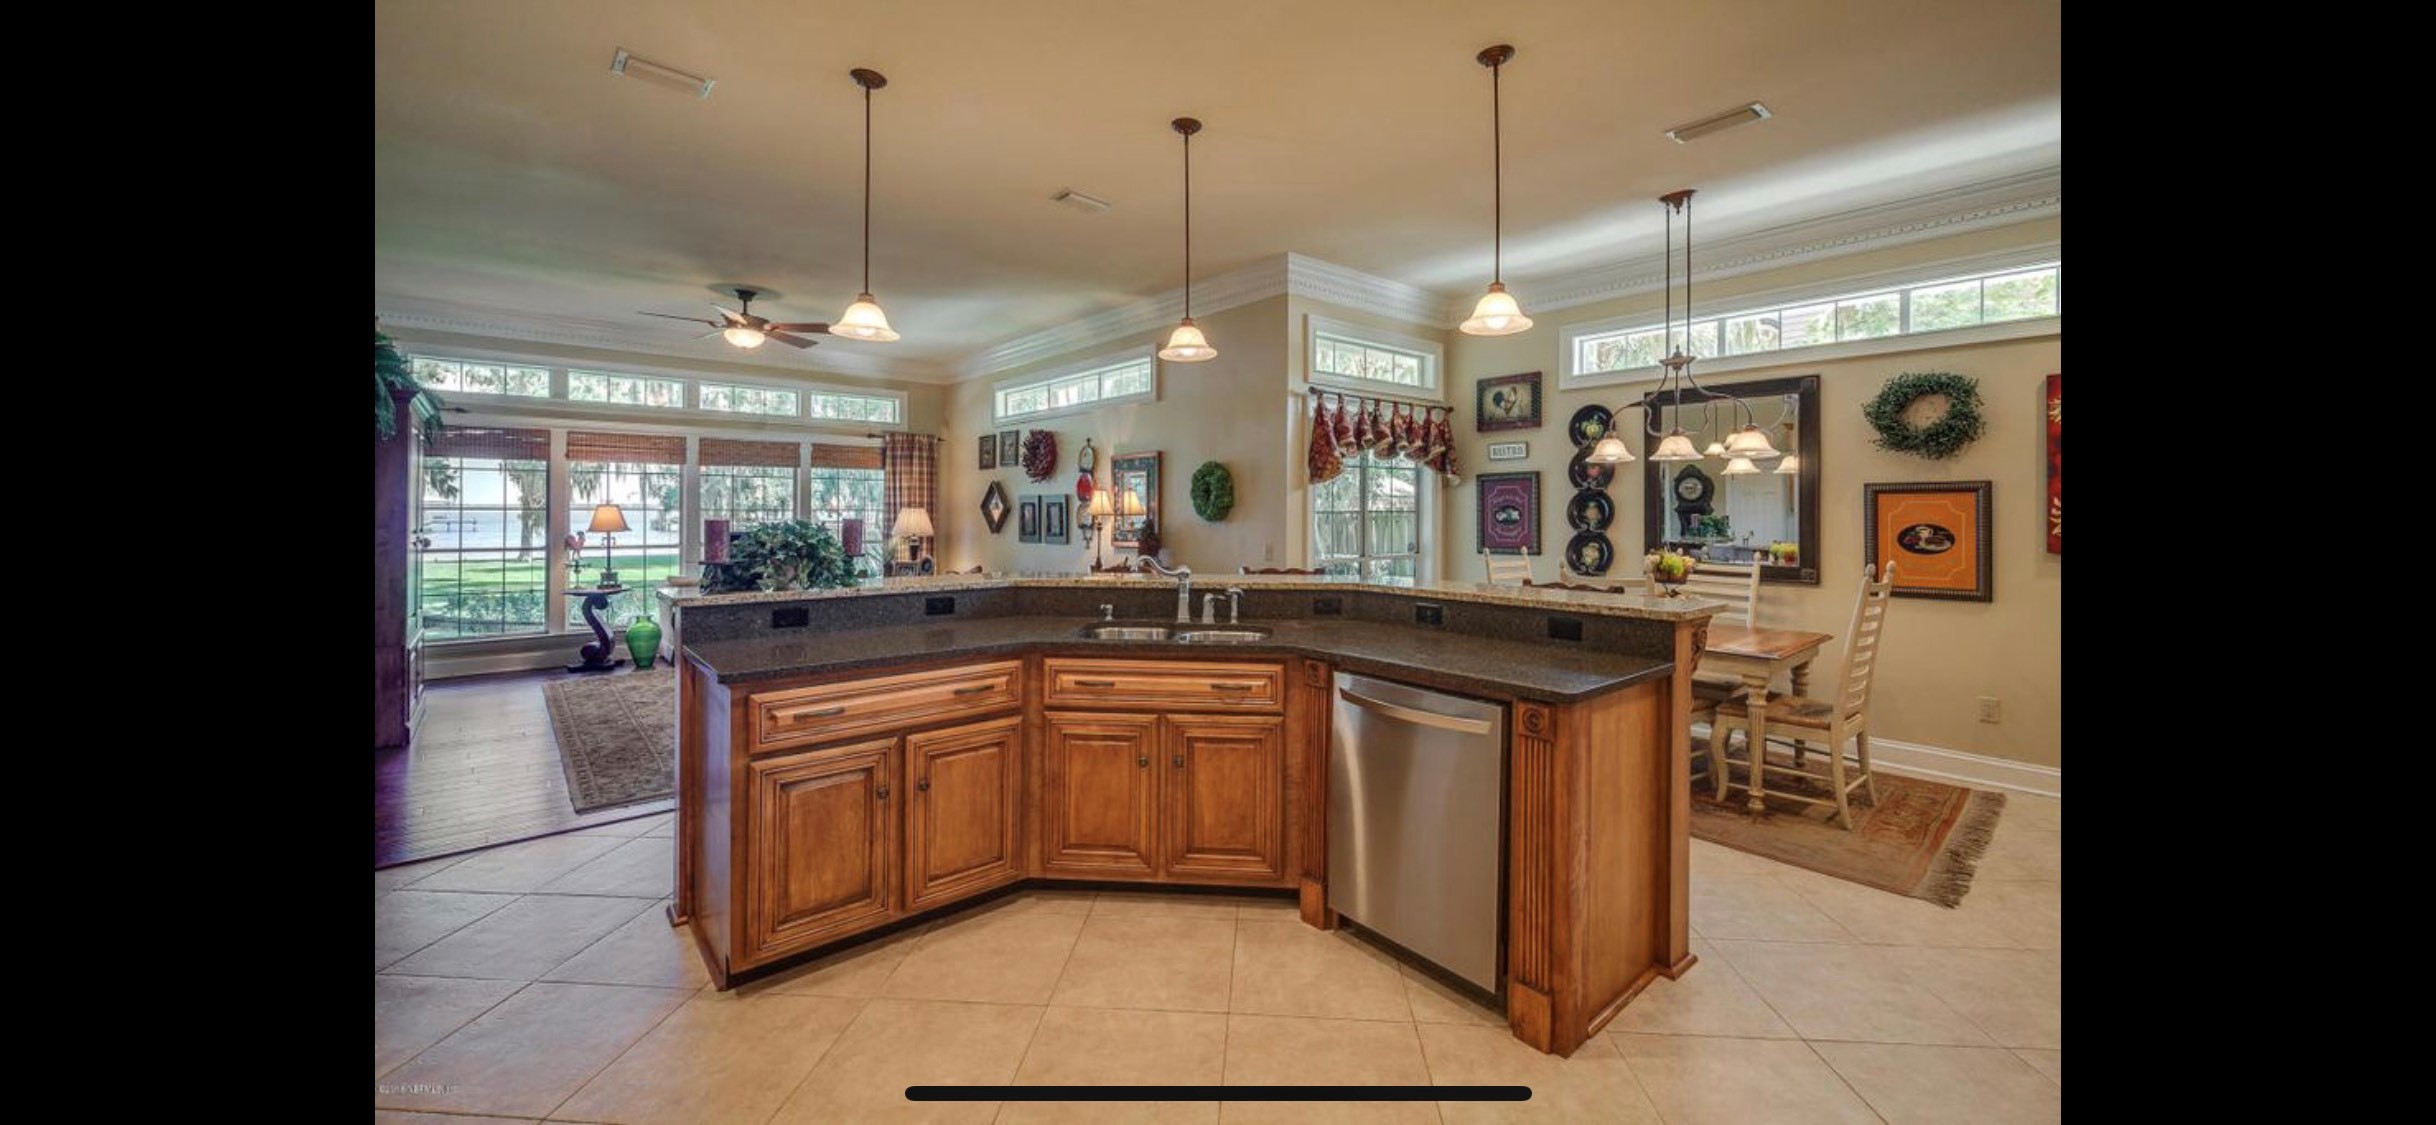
{"points": [[1098, 795], [822, 840], [1225, 811], [960, 818]]}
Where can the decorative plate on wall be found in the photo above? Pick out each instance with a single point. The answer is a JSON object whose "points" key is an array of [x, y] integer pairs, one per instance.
{"points": [[1589, 424], [1590, 511], [1583, 474], [1589, 553]]}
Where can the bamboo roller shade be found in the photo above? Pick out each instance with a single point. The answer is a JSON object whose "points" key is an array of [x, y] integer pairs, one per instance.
{"points": [[491, 441], [644, 449], [826, 456], [733, 451]]}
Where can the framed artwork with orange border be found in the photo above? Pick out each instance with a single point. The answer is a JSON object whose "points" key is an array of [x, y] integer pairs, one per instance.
{"points": [[1935, 534]]}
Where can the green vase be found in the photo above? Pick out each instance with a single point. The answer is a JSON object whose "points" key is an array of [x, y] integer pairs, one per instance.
{"points": [[643, 640]]}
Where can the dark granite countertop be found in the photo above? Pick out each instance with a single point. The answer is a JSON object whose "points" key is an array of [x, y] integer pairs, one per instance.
{"points": [[1549, 673]]}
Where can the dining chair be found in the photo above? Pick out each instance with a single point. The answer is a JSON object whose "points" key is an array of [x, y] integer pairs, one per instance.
{"points": [[1737, 585], [1506, 570], [1842, 717], [1284, 570]]}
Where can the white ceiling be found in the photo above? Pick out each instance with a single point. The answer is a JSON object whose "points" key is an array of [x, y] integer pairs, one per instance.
{"points": [[514, 174]]}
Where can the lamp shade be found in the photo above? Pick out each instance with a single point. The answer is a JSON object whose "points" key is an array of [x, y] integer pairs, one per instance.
{"points": [[1497, 314], [1129, 503], [1609, 451], [1187, 345], [1790, 466], [1715, 449], [609, 519], [1740, 466], [744, 336], [1676, 446], [864, 321], [1750, 441], [1099, 507], [914, 522]]}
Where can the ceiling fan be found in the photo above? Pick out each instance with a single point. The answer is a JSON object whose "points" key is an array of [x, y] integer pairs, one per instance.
{"points": [[746, 330]]}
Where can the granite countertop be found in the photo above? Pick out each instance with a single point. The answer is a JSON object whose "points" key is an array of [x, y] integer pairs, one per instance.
{"points": [[1572, 601], [1548, 673]]}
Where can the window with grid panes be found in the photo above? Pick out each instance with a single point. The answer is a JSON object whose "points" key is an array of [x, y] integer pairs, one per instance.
{"points": [[848, 483], [644, 475], [1367, 521], [484, 541], [746, 482]]}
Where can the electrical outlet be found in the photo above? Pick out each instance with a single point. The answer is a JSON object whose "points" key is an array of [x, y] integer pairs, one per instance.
{"points": [[1990, 710], [1327, 607], [1429, 613], [1564, 628], [933, 607], [1268, 552], [793, 617]]}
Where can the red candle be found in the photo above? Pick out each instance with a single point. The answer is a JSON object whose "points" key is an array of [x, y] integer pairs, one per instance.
{"points": [[714, 541], [853, 536]]}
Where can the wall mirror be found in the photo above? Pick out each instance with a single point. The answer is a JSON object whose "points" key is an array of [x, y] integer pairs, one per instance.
{"points": [[1700, 508], [1135, 477]]}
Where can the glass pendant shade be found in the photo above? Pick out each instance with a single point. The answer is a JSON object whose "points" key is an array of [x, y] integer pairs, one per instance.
{"points": [[744, 337], [864, 321], [1790, 466], [1609, 451], [1749, 441], [1740, 466], [1497, 314], [1187, 345], [1715, 449], [1676, 446]]}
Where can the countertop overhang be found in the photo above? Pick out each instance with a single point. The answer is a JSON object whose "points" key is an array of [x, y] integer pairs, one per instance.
{"points": [[1480, 593]]}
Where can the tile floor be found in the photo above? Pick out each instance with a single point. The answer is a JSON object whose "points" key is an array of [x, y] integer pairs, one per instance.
{"points": [[540, 980]]}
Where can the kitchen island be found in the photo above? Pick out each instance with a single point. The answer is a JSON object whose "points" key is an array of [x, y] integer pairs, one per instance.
{"points": [[851, 761]]}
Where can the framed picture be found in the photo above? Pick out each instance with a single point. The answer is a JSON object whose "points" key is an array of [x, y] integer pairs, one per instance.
{"points": [[1010, 447], [1935, 534], [994, 507], [1052, 519], [1135, 477], [1509, 512], [2055, 464], [1027, 520], [1508, 402], [1509, 451], [989, 452]]}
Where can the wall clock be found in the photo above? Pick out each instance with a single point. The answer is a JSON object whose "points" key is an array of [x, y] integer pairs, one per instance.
{"points": [[1692, 491]]}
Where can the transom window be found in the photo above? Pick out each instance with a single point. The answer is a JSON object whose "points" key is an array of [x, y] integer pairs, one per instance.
{"points": [[648, 392], [1367, 522], [854, 408], [626, 390], [473, 376], [1094, 384], [734, 398], [1351, 354]]}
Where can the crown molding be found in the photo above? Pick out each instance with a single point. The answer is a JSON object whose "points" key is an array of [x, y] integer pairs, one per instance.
{"points": [[437, 314], [1353, 289]]}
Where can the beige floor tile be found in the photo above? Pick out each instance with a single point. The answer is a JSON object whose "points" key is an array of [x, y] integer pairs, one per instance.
{"points": [[2024, 810], [859, 970], [631, 827], [1908, 1084], [524, 939], [1752, 908], [1593, 1085], [526, 1055], [2033, 912], [1293, 1051], [1268, 908], [1136, 904], [646, 950], [411, 1013], [1005, 957], [1103, 1047], [403, 1117], [1711, 999], [720, 1057], [1855, 992], [1879, 917], [389, 879], [1712, 860], [1434, 1001], [1696, 1080], [1047, 900], [2024, 854], [519, 868], [2015, 995], [665, 829], [1167, 962], [900, 1043], [2049, 1063], [406, 921], [1290, 969], [640, 868]]}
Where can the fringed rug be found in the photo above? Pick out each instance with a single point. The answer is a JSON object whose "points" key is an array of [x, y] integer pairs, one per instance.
{"points": [[617, 736], [1922, 839]]}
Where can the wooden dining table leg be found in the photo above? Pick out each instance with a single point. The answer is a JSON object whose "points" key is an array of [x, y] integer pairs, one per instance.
{"points": [[1801, 688], [1755, 699]]}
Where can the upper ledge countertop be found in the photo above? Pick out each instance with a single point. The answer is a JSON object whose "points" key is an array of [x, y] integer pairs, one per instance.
{"points": [[1548, 673], [1572, 601]]}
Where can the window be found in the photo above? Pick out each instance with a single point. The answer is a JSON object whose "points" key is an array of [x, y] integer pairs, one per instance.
{"points": [[485, 533], [847, 483], [842, 407], [625, 390], [747, 482], [644, 475], [473, 376], [1095, 383], [1357, 355], [1367, 522], [1934, 306], [737, 399]]}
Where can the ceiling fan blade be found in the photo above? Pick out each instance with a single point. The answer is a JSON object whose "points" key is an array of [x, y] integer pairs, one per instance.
{"points": [[814, 327], [732, 317], [687, 319], [790, 341]]}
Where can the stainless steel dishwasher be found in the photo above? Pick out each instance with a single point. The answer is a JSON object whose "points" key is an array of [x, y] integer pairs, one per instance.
{"points": [[1416, 796]]}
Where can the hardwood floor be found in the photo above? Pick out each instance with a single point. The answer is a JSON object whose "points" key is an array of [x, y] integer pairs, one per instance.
{"points": [[483, 769]]}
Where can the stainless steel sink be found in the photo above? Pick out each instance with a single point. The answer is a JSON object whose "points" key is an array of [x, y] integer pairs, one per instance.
{"points": [[1221, 634], [1180, 634], [1116, 631]]}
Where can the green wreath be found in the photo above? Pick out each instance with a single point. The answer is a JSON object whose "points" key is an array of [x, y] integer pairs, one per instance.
{"points": [[1940, 439], [1213, 491]]}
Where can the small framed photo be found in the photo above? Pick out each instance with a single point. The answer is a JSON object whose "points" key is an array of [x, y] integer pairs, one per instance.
{"points": [[989, 452], [1027, 520], [1010, 447], [1508, 402], [1935, 535], [1053, 519]]}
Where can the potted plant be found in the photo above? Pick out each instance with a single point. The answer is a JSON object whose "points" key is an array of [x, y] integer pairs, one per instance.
{"points": [[1667, 571], [784, 555], [390, 375]]}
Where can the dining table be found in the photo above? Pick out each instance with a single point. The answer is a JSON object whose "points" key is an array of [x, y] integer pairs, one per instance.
{"points": [[1756, 656]]}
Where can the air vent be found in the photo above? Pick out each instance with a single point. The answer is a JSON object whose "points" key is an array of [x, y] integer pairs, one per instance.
{"points": [[635, 66], [1740, 115], [1089, 204]]}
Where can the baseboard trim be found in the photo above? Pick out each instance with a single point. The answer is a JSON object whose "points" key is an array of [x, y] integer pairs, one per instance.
{"points": [[1978, 771]]}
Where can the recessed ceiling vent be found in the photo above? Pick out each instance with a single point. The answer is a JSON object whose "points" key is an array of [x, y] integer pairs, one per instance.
{"points": [[635, 66], [1088, 204], [1739, 115]]}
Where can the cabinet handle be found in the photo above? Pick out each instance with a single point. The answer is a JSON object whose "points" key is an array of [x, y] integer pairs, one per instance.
{"points": [[1230, 687], [883, 794], [1179, 761], [1095, 683], [923, 785], [976, 689], [823, 713], [1143, 761]]}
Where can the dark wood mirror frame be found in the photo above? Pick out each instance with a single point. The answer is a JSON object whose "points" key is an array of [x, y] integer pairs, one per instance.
{"points": [[1126, 533], [1806, 494]]}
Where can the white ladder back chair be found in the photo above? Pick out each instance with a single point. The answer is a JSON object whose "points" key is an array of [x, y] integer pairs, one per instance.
{"points": [[1736, 584], [1840, 718], [1506, 570]]}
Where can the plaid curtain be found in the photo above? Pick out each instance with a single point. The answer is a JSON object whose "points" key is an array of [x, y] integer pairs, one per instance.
{"points": [[912, 464]]}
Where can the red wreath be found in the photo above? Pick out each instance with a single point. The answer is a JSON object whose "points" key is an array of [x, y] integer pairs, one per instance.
{"points": [[1039, 454]]}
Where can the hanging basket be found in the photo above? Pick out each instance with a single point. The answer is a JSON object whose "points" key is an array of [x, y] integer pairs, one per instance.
{"points": [[1941, 439]]}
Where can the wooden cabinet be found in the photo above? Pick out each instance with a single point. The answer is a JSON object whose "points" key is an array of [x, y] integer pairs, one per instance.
{"points": [[961, 815], [1098, 795], [1224, 814], [1164, 685], [831, 711], [821, 837]]}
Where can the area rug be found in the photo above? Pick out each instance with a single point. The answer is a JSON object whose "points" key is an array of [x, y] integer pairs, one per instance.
{"points": [[617, 736], [1922, 839]]}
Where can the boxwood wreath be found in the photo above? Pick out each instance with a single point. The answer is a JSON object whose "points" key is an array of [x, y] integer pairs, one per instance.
{"points": [[1213, 491], [1943, 438]]}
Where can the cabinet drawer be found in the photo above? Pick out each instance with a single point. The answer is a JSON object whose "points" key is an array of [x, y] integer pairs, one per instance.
{"points": [[1178, 685], [827, 711]]}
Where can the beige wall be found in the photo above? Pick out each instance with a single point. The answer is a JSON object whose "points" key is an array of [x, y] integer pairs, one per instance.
{"points": [[1940, 656]]}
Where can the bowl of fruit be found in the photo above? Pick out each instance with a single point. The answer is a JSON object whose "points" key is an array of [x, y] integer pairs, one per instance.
{"points": [[1667, 571]]}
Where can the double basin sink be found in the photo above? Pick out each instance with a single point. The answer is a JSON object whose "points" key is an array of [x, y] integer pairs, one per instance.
{"points": [[1180, 633]]}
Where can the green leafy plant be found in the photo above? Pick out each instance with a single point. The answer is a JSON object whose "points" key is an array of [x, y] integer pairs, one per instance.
{"points": [[390, 374], [1213, 491], [784, 555], [1941, 439]]}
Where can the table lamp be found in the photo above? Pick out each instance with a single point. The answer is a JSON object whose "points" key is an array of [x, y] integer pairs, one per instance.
{"points": [[608, 521], [914, 525], [1096, 514]]}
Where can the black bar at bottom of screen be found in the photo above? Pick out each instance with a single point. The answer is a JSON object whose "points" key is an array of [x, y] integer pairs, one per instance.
{"points": [[1218, 1093]]}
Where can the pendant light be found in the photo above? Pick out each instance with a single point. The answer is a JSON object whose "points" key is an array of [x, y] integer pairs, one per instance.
{"points": [[1610, 450], [1744, 445], [1740, 466], [1186, 344], [1497, 314], [1790, 466], [863, 319]]}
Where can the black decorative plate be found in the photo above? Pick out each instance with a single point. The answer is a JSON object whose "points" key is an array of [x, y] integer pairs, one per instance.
{"points": [[1583, 474], [1590, 511], [1589, 424], [1589, 553]]}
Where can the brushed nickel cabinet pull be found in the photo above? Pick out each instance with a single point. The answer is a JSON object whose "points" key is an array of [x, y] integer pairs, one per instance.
{"points": [[1230, 687], [824, 713], [976, 689], [1095, 683]]}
